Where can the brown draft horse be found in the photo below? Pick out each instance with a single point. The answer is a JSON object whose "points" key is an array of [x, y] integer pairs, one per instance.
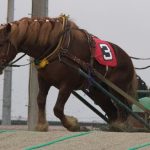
{"points": [[45, 39]]}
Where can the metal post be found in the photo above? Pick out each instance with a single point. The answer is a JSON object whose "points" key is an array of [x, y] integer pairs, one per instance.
{"points": [[39, 8], [6, 110]]}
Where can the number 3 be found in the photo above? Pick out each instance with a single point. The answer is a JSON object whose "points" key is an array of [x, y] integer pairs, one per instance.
{"points": [[106, 52]]}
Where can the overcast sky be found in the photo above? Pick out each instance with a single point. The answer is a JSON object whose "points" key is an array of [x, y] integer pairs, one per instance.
{"points": [[124, 22]]}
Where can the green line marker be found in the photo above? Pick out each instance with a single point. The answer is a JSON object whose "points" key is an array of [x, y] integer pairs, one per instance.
{"points": [[4, 131], [57, 140], [139, 146]]}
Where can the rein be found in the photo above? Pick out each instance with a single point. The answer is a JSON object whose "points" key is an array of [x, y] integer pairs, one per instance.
{"points": [[12, 63], [141, 68], [139, 58]]}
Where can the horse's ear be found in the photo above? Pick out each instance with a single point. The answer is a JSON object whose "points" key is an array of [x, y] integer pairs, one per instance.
{"points": [[8, 28]]}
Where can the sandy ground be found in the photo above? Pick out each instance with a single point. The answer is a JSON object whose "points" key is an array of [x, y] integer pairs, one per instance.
{"points": [[18, 138]]}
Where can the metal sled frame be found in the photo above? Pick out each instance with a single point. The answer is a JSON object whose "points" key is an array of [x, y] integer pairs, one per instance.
{"points": [[115, 99]]}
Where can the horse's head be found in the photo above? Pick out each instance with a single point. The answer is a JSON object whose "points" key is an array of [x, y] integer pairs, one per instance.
{"points": [[7, 50]]}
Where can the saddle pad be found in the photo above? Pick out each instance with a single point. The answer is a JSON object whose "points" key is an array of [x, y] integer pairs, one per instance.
{"points": [[104, 53]]}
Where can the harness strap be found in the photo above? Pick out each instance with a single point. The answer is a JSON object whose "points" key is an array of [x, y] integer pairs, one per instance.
{"points": [[54, 54]]}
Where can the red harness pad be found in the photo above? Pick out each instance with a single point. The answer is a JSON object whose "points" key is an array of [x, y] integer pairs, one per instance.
{"points": [[104, 53]]}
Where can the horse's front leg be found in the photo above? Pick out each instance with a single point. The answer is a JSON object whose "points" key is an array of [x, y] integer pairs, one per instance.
{"points": [[42, 124], [69, 122]]}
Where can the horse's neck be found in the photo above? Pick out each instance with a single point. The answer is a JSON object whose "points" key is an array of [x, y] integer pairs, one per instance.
{"points": [[34, 37], [36, 50], [32, 51]]}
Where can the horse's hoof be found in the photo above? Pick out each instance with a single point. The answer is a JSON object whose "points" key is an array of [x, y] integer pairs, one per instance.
{"points": [[71, 123], [42, 127], [84, 129], [118, 127], [78, 129]]}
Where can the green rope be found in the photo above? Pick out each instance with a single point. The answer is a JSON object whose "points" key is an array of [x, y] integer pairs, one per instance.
{"points": [[139, 146], [57, 140], [3, 131]]}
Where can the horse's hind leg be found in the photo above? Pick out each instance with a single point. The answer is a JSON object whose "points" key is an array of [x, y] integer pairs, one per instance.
{"points": [[104, 102], [123, 83], [42, 124], [126, 82], [69, 122]]}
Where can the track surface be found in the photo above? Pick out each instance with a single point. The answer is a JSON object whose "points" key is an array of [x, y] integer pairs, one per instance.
{"points": [[58, 138]]}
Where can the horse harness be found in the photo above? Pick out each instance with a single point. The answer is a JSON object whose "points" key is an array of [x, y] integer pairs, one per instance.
{"points": [[60, 51]]}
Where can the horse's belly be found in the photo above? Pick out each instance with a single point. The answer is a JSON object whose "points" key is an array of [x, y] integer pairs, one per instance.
{"points": [[57, 73]]}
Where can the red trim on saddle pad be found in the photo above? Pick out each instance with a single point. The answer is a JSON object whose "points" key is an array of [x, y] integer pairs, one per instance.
{"points": [[104, 53]]}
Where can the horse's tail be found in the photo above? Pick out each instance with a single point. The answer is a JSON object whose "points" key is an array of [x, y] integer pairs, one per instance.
{"points": [[133, 86]]}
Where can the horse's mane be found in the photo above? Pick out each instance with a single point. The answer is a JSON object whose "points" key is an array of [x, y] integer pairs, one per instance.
{"points": [[36, 30]]}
